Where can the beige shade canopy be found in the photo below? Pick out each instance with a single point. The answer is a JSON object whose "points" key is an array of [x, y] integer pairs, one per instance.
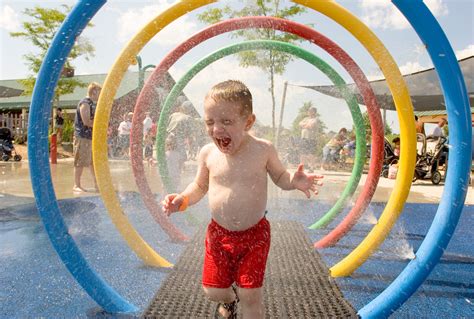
{"points": [[424, 87]]}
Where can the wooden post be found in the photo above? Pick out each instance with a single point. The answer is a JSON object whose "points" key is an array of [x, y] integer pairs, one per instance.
{"points": [[282, 109]]}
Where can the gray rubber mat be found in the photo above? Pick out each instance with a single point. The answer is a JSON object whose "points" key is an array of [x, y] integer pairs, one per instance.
{"points": [[297, 282]]}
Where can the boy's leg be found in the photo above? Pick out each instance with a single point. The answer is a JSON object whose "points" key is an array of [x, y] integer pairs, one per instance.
{"points": [[251, 270], [225, 295], [217, 275], [251, 300]]}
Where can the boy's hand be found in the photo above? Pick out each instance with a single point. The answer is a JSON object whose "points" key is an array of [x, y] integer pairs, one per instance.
{"points": [[306, 182], [171, 203]]}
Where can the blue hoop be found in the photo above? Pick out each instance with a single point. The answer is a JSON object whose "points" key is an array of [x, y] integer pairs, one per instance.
{"points": [[455, 189], [38, 157], [431, 249]]}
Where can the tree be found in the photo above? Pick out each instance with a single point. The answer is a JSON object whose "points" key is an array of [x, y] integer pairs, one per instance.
{"points": [[40, 32], [368, 130], [302, 113], [271, 62]]}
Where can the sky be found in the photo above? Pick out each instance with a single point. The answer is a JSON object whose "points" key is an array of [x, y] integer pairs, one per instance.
{"points": [[118, 21]]}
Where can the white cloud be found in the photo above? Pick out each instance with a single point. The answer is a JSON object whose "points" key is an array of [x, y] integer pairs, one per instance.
{"points": [[383, 14], [464, 53], [9, 18], [376, 75], [411, 67], [133, 20]]}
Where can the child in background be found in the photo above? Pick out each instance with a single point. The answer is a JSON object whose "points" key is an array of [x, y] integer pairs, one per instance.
{"points": [[234, 170], [148, 141], [396, 146], [124, 130], [59, 124]]}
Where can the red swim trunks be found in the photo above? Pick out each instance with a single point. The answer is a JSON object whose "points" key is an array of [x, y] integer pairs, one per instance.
{"points": [[236, 256]]}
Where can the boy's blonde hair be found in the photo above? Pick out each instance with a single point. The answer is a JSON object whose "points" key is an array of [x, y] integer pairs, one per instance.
{"points": [[93, 87], [232, 91]]}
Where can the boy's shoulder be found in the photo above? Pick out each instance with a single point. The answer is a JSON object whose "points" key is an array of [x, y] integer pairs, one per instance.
{"points": [[208, 148], [262, 143]]}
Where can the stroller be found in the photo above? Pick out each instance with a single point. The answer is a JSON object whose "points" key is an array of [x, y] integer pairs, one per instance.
{"points": [[389, 157], [7, 150], [431, 152]]}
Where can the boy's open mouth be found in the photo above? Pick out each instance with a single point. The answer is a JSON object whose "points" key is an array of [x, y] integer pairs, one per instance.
{"points": [[223, 142]]}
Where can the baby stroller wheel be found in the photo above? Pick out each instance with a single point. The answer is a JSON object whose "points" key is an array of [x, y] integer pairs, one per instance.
{"points": [[5, 157], [436, 177], [385, 172], [17, 158]]}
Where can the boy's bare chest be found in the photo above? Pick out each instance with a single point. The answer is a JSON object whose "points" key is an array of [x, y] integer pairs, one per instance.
{"points": [[228, 170]]}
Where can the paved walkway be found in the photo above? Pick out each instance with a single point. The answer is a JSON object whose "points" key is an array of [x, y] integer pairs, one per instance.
{"points": [[297, 281], [15, 180]]}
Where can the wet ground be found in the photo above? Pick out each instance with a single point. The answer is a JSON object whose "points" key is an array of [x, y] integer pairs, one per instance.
{"points": [[15, 180], [34, 282]]}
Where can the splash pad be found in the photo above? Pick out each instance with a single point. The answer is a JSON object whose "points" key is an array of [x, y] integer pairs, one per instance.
{"points": [[432, 247]]}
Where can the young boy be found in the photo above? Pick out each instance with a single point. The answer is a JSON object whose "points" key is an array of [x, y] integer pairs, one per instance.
{"points": [[233, 169]]}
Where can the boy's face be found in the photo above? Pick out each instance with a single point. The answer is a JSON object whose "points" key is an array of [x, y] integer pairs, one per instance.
{"points": [[226, 125]]}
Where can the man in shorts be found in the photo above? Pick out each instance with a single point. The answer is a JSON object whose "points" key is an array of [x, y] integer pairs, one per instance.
{"points": [[83, 135]]}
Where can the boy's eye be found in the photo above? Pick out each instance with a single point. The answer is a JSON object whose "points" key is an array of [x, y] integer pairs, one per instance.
{"points": [[209, 122], [227, 122]]}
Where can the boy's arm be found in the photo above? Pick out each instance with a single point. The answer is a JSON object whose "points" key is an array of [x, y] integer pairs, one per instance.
{"points": [[278, 173], [194, 191], [288, 181]]}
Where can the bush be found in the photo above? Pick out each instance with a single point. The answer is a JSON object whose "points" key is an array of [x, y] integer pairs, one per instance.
{"points": [[68, 130]]}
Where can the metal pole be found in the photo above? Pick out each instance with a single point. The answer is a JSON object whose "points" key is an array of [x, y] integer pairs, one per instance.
{"points": [[282, 109]]}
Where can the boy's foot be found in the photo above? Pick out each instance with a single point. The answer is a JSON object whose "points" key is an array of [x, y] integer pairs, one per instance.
{"points": [[228, 310]]}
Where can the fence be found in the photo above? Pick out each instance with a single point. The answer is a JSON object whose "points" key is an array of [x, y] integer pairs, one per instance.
{"points": [[17, 123]]}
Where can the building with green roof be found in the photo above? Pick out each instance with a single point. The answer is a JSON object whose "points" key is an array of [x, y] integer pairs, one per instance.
{"points": [[14, 105]]}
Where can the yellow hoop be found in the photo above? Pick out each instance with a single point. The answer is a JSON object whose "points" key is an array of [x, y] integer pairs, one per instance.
{"points": [[337, 13], [101, 120]]}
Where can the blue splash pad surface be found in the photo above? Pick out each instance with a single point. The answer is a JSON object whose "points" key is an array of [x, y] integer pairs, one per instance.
{"points": [[34, 282]]}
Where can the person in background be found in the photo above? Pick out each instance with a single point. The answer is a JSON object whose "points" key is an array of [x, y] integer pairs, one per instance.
{"points": [[309, 126], [148, 139], [396, 146], [147, 124], [420, 126], [83, 123], [181, 125], [438, 130], [332, 148], [124, 129], [59, 124], [437, 133], [350, 147]]}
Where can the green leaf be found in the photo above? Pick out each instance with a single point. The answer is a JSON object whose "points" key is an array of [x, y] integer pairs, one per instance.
{"points": [[39, 30]]}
